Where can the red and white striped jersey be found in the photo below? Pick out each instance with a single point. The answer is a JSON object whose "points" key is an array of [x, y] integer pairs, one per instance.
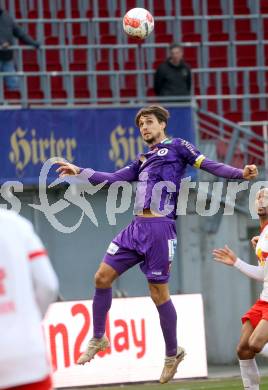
{"points": [[28, 284], [262, 254]]}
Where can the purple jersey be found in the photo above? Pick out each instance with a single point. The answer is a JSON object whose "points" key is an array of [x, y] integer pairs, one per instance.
{"points": [[158, 174]]}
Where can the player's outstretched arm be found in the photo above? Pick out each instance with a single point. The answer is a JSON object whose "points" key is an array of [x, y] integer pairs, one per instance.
{"points": [[227, 171], [129, 173], [195, 158], [227, 256]]}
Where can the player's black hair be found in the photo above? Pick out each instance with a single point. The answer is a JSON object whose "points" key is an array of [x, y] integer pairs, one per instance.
{"points": [[175, 46], [160, 112]]}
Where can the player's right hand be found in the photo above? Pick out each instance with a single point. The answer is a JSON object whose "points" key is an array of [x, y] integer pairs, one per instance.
{"points": [[225, 255], [67, 169], [254, 241]]}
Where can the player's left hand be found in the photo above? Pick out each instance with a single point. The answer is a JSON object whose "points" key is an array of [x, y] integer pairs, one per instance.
{"points": [[225, 255], [250, 172]]}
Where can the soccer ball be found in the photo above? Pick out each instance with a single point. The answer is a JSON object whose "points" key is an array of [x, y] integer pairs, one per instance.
{"points": [[138, 23]]}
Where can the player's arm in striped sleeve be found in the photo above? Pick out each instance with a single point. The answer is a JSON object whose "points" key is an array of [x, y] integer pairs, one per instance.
{"points": [[45, 281], [195, 158]]}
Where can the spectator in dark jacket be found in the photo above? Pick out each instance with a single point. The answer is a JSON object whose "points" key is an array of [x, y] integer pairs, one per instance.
{"points": [[8, 30], [173, 77]]}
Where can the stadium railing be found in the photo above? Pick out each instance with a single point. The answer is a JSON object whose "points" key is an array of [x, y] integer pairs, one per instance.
{"points": [[239, 79], [261, 128], [234, 144], [234, 141]]}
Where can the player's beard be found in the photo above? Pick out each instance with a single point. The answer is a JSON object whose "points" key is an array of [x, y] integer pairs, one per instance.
{"points": [[152, 140]]}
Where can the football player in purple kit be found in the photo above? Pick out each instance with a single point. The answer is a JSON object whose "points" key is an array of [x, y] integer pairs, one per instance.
{"points": [[150, 238]]}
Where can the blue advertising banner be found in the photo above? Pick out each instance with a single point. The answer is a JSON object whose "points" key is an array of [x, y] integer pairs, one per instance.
{"points": [[104, 139]]}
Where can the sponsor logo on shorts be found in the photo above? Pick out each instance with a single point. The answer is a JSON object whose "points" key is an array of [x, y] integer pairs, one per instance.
{"points": [[172, 244], [162, 152], [112, 249], [157, 273]]}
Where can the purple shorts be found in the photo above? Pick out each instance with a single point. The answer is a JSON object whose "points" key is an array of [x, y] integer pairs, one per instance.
{"points": [[149, 242]]}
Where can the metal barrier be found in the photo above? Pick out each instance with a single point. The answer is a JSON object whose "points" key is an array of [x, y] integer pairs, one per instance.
{"points": [[264, 126], [143, 80], [143, 55], [237, 140], [235, 145]]}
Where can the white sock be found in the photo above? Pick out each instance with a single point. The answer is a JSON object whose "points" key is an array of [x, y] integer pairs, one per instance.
{"points": [[264, 351], [250, 374]]}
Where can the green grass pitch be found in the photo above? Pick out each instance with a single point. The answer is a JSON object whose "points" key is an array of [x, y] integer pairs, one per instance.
{"points": [[219, 384]]}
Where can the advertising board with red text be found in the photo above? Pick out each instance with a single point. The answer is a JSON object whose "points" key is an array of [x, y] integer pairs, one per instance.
{"points": [[137, 348]]}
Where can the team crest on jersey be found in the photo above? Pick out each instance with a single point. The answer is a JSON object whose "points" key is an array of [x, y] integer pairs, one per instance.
{"points": [[262, 256], [162, 152]]}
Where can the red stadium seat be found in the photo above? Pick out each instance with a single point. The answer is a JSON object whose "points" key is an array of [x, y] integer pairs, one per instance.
{"points": [[106, 66], [191, 37], [218, 56], [33, 14], [215, 26], [103, 86], [159, 9], [246, 55], [191, 56], [168, 38], [30, 62], [80, 40], [161, 53], [187, 11], [108, 39], [53, 62], [17, 9], [214, 11], [242, 25], [187, 27], [266, 54], [46, 9], [150, 92], [12, 95], [57, 89], [259, 116], [130, 65], [264, 7], [34, 88], [246, 36], [218, 37], [128, 92], [241, 10], [161, 27], [81, 87], [52, 41], [47, 29], [214, 3], [234, 116]]}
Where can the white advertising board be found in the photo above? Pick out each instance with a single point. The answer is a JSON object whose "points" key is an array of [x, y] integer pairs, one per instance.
{"points": [[137, 347]]}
